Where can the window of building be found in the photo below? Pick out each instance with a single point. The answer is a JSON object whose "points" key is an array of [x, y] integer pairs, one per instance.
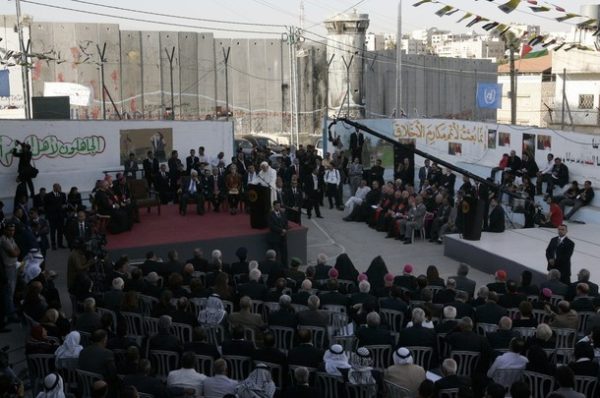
{"points": [[586, 101]]}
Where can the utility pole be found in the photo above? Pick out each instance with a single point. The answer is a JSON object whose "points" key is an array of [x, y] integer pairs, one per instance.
{"points": [[171, 57], [399, 60], [292, 37], [513, 87], [348, 65], [101, 53], [24, 70], [226, 60], [564, 99]]}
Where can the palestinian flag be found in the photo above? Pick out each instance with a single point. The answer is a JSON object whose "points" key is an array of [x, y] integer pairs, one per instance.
{"points": [[535, 51], [510, 6]]}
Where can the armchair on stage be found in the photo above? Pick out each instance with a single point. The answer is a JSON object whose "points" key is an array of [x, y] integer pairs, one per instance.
{"points": [[259, 199], [142, 195]]}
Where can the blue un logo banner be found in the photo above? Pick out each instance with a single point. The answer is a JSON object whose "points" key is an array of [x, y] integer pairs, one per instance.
{"points": [[489, 95]]}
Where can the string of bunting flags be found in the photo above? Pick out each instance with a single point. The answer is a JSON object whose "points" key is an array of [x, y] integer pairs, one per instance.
{"points": [[536, 46]]}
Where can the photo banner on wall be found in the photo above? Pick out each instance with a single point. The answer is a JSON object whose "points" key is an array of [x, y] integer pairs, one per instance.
{"points": [[489, 95]]}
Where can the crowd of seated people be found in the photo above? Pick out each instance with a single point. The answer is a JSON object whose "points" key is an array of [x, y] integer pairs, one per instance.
{"points": [[203, 327]]}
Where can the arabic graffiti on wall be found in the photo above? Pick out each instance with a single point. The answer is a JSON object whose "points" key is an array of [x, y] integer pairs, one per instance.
{"points": [[51, 146], [436, 131]]}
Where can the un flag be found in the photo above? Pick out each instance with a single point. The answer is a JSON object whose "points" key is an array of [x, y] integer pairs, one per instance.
{"points": [[489, 95]]}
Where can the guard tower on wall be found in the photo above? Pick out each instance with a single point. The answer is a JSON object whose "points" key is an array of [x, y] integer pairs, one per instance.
{"points": [[346, 35]]}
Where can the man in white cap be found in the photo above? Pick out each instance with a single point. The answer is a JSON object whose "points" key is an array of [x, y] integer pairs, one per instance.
{"points": [[267, 177], [404, 372]]}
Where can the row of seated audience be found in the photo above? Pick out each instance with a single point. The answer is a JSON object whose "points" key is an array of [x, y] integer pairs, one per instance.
{"points": [[339, 320]]}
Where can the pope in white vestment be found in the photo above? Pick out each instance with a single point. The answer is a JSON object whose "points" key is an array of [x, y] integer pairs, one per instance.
{"points": [[267, 178]]}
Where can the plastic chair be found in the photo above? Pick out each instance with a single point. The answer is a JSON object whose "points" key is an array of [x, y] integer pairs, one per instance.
{"points": [[540, 316], [346, 285], [586, 385], [204, 364], [334, 308], [466, 361], [555, 299], [328, 385], [434, 288], [583, 317], [311, 371], [147, 304], [135, 323], [484, 328], [382, 355], [525, 332], [239, 366], [318, 334], [216, 334], [39, 365], [284, 337], [183, 331], [349, 343], [228, 306], [102, 311], [422, 356], [361, 390], [396, 391], [86, 380], [393, 318], [443, 346], [540, 384], [163, 362], [565, 338], [150, 326], [257, 306]]}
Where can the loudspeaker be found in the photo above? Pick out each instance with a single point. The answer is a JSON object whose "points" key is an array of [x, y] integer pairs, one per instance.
{"points": [[51, 108]]}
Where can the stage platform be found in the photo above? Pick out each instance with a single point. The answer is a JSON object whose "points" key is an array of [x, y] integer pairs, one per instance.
{"points": [[518, 249], [210, 231]]}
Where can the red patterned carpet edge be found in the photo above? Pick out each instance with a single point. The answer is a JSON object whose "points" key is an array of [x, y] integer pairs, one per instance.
{"points": [[170, 227]]}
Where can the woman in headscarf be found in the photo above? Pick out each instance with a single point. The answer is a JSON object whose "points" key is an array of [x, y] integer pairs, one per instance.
{"points": [[346, 269], [362, 370], [53, 387], [404, 372], [376, 272], [214, 313], [69, 350], [336, 360], [258, 384]]}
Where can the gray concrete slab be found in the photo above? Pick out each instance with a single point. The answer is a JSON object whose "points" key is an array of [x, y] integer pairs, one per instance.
{"points": [[132, 85], [151, 76], [188, 75]]}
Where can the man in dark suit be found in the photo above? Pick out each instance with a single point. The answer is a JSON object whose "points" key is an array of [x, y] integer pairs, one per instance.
{"points": [[237, 345], [417, 335], [164, 340], [56, 203], [582, 277], [449, 378], [253, 289], [462, 308], [322, 269], [490, 312], [200, 345], [175, 169], [278, 228], [496, 217], [96, 358], [151, 169], [462, 282], [559, 175], [373, 333], [292, 201], [191, 162], [162, 184], [198, 260], [39, 202], [269, 353], [79, 228], [191, 189], [512, 298], [217, 190], [145, 383], [305, 354], [464, 339], [501, 338], [333, 296], [357, 140], [241, 266], [376, 173], [559, 252], [313, 191], [313, 316], [285, 315], [424, 172]]}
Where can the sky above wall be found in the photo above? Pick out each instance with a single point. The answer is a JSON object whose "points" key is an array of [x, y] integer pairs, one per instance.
{"points": [[382, 14]]}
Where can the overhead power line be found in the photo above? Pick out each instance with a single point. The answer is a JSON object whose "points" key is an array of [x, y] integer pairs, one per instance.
{"points": [[159, 14], [149, 20]]}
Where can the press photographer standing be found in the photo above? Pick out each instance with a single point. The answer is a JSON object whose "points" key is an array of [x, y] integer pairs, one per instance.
{"points": [[26, 171]]}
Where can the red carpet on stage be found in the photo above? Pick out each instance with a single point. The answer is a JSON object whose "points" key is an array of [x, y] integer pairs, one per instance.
{"points": [[170, 227]]}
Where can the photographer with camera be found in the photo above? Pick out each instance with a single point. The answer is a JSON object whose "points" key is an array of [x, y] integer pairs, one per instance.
{"points": [[554, 217], [26, 171]]}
